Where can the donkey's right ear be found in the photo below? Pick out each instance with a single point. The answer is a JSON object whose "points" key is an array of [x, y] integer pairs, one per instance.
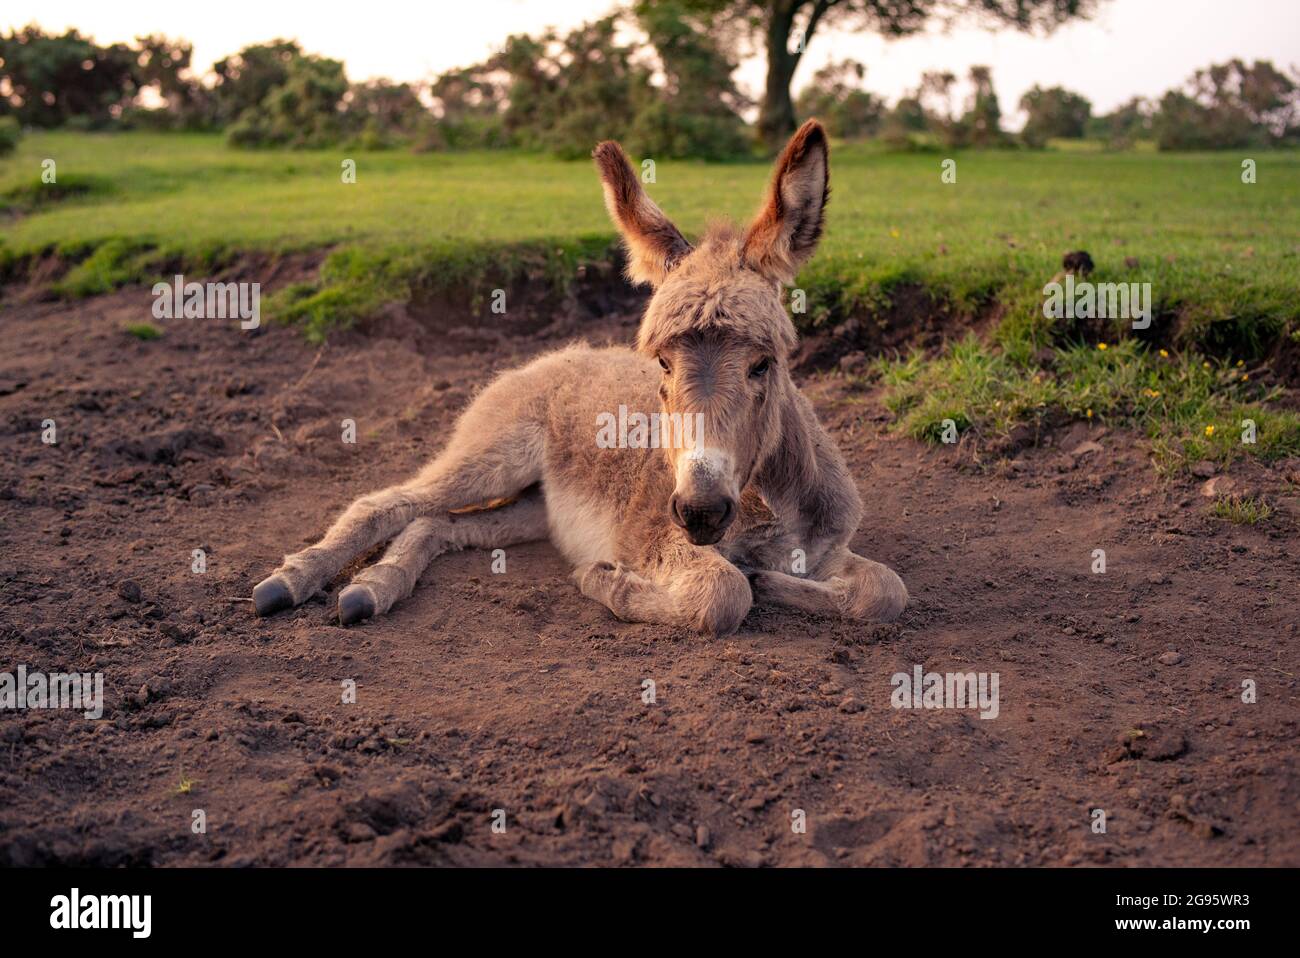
{"points": [[654, 246]]}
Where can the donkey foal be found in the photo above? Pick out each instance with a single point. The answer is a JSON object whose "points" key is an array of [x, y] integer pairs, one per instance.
{"points": [[761, 506]]}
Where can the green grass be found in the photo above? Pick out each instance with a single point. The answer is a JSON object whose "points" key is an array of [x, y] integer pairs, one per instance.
{"points": [[1191, 409], [1221, 255], [1242, 510], [143, 331]]}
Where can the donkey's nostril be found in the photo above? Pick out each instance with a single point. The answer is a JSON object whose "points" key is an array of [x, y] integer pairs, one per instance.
{"points": [[728, 513], [675, 512]]}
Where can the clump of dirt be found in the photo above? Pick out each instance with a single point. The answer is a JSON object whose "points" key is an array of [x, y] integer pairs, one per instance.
{"points": [[1078, 262], [498, 718], [1149, 741]]}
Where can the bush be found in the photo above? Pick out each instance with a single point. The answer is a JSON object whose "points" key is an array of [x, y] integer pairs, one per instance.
{"points": [[836, 97], [1231, 105], [302, 112], [10, 134], [1054, 113], [1121, 129], [564, 93], [60, 78], [905, 125], [659, 130], [382, 114]]}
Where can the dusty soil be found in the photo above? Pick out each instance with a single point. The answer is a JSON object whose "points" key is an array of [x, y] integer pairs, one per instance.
{"points": [[509, 691]]}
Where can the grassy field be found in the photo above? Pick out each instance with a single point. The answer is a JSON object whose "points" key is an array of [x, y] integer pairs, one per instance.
{"points": [[1223, 257], [1211, 246]]}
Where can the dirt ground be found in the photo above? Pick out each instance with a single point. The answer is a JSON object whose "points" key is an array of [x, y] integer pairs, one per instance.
{"points": [[510, 691]]}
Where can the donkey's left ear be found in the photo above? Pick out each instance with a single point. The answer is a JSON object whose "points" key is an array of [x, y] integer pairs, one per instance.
{"points": [[654, 246], [785, 233]]}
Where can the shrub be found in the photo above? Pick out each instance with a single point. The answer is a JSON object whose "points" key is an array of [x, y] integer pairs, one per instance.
{"points": [[10, 134], [302, 112]]}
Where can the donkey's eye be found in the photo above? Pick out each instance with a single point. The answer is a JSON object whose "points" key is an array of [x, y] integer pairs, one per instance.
{"points": [[664, 363], [759, 368]]}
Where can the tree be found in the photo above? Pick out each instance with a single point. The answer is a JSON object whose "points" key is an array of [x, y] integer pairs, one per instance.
{"points": [[669, 97], [468, 104], [1054, 112], [567, 93], [930, 108], [304, 111], [1230, 104], [1124, 126], [383, 113], [48, 80], [785, 27], [10, 134], [1257, 94], [904, 122], [836, 97], [163, 65], [244, 79], [981, 125], [934, 96], [696, 110]]}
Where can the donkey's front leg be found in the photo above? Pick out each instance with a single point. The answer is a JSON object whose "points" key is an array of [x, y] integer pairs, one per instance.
{"points": [[855, 588], [708, 594]]}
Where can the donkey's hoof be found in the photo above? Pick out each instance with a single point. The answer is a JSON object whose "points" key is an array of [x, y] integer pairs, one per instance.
{"points": [[272, 596], [355, 604]]}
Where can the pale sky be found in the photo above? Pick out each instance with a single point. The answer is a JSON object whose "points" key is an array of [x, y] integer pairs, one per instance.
{"points": [[1132, 47]]}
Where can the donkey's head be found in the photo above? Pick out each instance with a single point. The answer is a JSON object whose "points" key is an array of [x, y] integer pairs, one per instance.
{"points": [[716, 324]]}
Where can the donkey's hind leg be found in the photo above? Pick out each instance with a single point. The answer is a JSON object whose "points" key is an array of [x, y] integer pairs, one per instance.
{"points": [[375, 589], [855, 588], [492, 453]]}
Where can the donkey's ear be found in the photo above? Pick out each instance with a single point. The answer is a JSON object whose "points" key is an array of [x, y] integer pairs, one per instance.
{"points": [[654, 246], [787, 228]]}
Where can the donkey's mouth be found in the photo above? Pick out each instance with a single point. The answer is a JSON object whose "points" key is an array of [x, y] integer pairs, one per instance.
{"points": [[703, 522], [704, 537]]}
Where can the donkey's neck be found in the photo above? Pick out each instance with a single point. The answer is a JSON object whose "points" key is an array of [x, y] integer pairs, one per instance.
{"points": [[791, 476]]}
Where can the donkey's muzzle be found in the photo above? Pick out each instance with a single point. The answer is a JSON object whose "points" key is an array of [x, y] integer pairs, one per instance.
{"points": [[705, 520]]}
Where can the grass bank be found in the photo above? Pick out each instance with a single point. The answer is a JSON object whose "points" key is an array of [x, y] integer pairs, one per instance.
{"points": [[1222, 256]]}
